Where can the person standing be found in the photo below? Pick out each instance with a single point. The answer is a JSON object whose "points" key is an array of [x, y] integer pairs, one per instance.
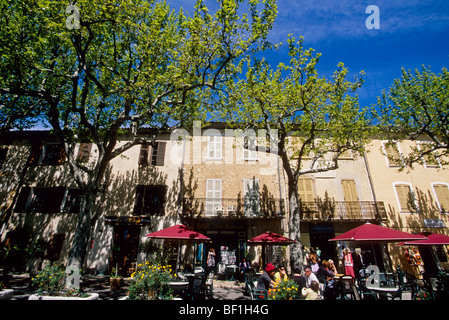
{"points": [[349, 263], [210, 260]]}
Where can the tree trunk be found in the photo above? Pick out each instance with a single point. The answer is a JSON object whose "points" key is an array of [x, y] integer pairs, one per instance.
{"points": [[296, 255], [78, 250]]}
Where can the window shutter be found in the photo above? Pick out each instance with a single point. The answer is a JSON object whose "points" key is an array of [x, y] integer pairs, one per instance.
{"points": [[442, 193], [159, 154], [23, 199], [394, 157], [404, 195], [138, 201], [305, 189], [36, 151], [84, 152], [145, 149], [349, 190]]}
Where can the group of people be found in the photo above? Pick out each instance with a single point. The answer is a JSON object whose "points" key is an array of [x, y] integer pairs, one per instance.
{"points": [[308, 283]]}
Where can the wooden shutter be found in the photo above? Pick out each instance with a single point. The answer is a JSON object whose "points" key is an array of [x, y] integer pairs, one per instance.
{"points": [[442, 193], [145, 149], [35, 154], [159, 154], [393, 155], [404, 196], [84, 152], [349, 190], [213, 195], [305, 189], [138, 200], [23, 199]]}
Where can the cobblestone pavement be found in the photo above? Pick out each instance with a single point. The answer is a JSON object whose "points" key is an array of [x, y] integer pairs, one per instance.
{"points": [[222, 290]]}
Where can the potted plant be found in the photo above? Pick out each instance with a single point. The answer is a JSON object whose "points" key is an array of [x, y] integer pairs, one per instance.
{"points": [[5, 294], [115, 279], [151, 282], [50, 283]]}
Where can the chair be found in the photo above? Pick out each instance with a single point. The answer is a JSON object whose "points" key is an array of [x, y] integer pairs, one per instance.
{"points": [[347, 288], [323, 284], [260, 294], [209, 286], [199, 287], [219, 210], [364, 292], [230, 211]]}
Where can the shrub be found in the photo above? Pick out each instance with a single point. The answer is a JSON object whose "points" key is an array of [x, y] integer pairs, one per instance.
{"points": [[151, 282]]}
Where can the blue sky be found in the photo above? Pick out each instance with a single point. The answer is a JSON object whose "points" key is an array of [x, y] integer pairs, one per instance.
{"points": [[412, 33]]}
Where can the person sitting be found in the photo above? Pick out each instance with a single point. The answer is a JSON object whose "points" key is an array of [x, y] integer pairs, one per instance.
{"points": [[310, 276], [312, 293], [266, 281], [324, 272], [281, 275]]}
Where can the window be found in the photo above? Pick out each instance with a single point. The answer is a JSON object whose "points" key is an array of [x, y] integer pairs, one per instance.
{"points": [[442, 195], [406, 198], [40, 199], [250, 146], [251, 196], [213, 195], [430, 160], [305, 189], [84, 152], [392, 153], [47, 154], [214, 147], [154, 156], [72, 201], [150, 200], [3, 152]]}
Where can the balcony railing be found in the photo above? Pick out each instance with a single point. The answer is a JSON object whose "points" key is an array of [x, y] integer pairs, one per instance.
{"points": [[249, 207], [274, 208], [342, 210]]}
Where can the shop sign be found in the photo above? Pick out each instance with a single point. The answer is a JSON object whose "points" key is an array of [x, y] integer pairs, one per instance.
{"points": [[434, 223], [321, 228], [130, 220]]}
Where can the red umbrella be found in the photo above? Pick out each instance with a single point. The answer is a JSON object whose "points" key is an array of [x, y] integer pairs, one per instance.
{"points": [[271, 238], [178, 232], [433, 239], [373, 232]]}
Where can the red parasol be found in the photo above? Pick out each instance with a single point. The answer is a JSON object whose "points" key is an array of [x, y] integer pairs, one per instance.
{"points": [[271, 238], [178, 232], [372, 232], [433, 239]]}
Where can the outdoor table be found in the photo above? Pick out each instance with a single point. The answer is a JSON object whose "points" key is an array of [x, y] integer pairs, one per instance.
{"points": [[383, 291], [230, 269], [179, 285]]}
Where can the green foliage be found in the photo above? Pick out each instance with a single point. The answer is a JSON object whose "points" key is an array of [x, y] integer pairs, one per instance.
{"points": [[51, 280], [284, 290], [151, 281], [131, 64], [417, 107]]}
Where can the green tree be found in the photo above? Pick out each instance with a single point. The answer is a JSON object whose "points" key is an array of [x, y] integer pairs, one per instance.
{"points": [[93, 68], [314, 119], [417, 107]]}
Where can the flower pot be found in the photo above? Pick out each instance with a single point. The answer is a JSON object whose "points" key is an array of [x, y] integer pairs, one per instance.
{"points": [[6, 294], [116, 283], [92, 296]]}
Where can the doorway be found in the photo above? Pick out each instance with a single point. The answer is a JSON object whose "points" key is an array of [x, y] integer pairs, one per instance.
{"points": [[125, 247]]}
